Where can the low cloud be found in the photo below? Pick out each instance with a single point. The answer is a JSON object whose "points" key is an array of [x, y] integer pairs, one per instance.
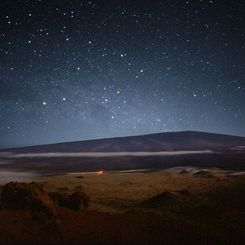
{"points": [[104, 154]]}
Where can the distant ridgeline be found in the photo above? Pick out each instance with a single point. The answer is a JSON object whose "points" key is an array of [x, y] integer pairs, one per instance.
{"points": [[154, 152]]}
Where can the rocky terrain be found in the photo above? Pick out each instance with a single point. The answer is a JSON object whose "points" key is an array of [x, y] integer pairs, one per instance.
{"points": [[170, 188], [174, 206]]}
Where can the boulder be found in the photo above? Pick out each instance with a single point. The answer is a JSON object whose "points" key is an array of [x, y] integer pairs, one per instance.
{"points": [[158, 200], [76, 201], [27, 196], [34, 198]]}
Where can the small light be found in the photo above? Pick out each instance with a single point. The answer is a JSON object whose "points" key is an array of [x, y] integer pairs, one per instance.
{"points": [[101, 172]]}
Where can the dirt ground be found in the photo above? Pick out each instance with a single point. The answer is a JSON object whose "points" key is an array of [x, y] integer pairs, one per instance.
{"points": [[175, 206], [117, 192]]}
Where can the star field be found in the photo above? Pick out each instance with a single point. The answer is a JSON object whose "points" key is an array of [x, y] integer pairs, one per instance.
{"points": [[76, 70]]}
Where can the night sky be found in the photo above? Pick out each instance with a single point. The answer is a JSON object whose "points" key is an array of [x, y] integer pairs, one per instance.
{"points": [[76, 70]]}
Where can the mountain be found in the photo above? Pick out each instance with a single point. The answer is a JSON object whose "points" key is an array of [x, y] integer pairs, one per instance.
{"points": [[151, 152], [172, 141]]}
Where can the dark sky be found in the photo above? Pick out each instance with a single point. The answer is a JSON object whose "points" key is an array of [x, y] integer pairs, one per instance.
{"points": [[75, 70]]}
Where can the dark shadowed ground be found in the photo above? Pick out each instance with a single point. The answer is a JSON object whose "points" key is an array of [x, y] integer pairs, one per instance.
{"points": [[175, 206]]}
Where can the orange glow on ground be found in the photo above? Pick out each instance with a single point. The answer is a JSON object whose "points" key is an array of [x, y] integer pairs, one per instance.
{"points": [[101, 172]]}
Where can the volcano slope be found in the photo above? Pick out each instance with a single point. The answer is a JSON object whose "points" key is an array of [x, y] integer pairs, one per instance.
{"points": [[152, 152]]}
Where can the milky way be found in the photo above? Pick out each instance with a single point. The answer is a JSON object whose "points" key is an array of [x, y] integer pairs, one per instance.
{"points": [[76, 70]]}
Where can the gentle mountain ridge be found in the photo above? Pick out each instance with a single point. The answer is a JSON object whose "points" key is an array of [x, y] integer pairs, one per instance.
{"points": [[172, 141]]}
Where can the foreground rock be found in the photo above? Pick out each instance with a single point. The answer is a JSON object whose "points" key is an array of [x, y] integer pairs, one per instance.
{"points": [[76, 201], [27, 196], [33, 197], [164, 198]]}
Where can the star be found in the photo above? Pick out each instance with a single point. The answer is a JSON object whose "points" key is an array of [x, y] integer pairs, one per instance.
{"points": [[132, 68]]}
